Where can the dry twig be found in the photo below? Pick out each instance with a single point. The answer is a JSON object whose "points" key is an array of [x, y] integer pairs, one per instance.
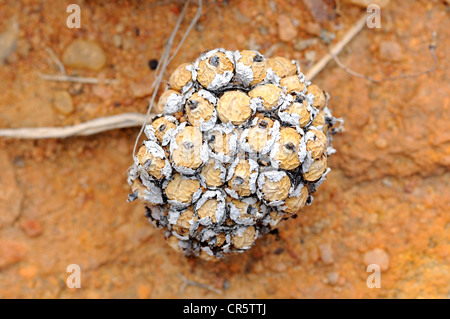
{"points": [[431, 47], [86, 128], [187, 282], [349, 35], [63, 77]]}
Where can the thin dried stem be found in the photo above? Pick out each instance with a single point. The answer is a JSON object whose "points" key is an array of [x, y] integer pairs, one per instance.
{"points": [[431, 47], [86, 128], [77, 79], [187, 282], [60, 65], [349, 35], [63, 77]]}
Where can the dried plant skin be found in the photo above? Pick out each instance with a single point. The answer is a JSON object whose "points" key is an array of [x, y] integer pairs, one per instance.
{"points": [[246, 239], [234, 107], [209, 68], [183, 223], [180, 77], [282, 67], [319, 96], [189, 143], [198, 109], [162, 102], [288, 150], [318, 145], [240, 179], [316, 170], [319, 122], [270, 95], [259, 135], [181, 189], [294, 203], [292, 84], [212, 174], [208, 209], [276, 190], [302, 110], [257, 63], [240, 144], [161, 126]]}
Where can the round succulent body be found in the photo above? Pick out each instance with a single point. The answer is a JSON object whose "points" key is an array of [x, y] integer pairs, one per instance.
{"points": [[241, 144]]}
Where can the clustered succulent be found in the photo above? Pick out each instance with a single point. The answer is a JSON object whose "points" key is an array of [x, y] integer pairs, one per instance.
{"points": [[241, 143]]}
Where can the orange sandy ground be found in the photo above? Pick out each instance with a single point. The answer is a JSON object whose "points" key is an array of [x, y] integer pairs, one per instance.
{"points": [[64, 201]]}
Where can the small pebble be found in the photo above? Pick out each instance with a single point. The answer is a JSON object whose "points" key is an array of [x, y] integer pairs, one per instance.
{"points": [[226, 284], [117, 40], [286, 29], [318, 9], [387, 182], [144, 292], [28, 272], [8, 40], [304, 44], [32, 228], [311, 28], [23, 48], [377, 256], [390, 51], [120, 27], [102, 91], [10, 253], [62, 102], [326, 254], [142, 88], [381, 143], [85, 55], [333, 278], [310, 55]]}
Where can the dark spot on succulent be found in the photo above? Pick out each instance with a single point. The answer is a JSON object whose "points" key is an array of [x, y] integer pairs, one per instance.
{"points": [[212, 139], [147, 163], [192, 104], [214, 61], [299, 99], [263, 124], [162, 127], [329, 120], [132, 197], [188, 145], [257, 58], [290, 146], [238, 181]]}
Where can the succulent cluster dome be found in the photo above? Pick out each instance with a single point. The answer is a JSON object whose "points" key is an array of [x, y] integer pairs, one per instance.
{"points": [[240, 144]]}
